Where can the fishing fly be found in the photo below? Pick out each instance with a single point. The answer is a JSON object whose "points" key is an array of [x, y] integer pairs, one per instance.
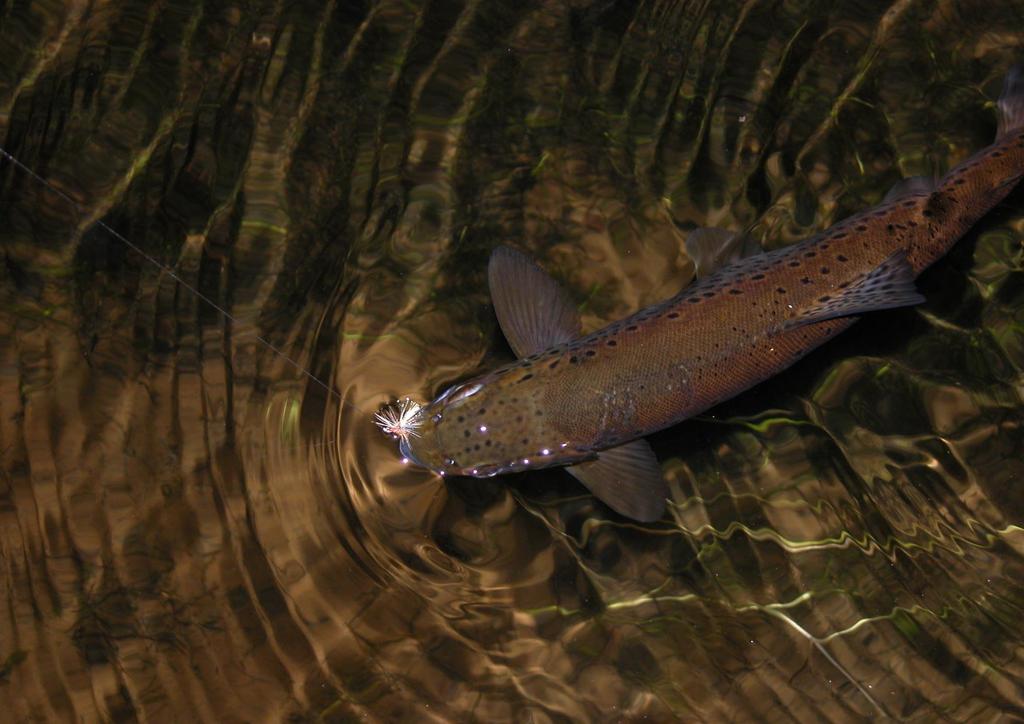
{"points": [[400, 420]]}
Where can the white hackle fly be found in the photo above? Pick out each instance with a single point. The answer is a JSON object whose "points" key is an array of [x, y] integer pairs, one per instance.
{"points": [[400, 419]]}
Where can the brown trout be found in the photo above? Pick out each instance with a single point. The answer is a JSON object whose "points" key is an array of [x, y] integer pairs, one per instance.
{"points": [[586, 401]]}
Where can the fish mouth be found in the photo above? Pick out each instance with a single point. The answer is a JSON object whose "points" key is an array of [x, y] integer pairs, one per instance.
{"points": [[407, 454], [424, 448]]}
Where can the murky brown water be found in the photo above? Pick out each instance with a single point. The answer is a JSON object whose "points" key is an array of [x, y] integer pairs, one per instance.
{"points": [[193, 530]]}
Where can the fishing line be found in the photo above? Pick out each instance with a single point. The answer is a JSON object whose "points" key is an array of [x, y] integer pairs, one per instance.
{"points": [[174, 275]]}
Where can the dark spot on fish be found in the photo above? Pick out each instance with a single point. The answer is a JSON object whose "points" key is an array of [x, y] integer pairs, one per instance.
{"points": [[841, 258], [612, 342], [692, 300], [909, 204], [997, 154], [810, 254], [805, 280], [780, 290], [476, 447], [911, 223], [524, 378], [591, 353], [824, 270], [526, 440], [574, 360], [487, 444], [735, 291], [959, 182], [862, 227], [794, 263], [460, 418], [553, 364], [889, 228], [631, 328], [465, 433], [708, 295], [840, 235], [519, 418], [758, 276], [927, 212], [673, 315], [824, 298], [844, 285], [539, 413]]}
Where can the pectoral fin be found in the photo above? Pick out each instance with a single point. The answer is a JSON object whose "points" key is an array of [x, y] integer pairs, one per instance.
{"points": [[712, 249], [889, 285], [533, 310], [628, 479]]}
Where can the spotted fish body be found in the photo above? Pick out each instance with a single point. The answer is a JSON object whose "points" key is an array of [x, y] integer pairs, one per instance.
{"points": [[585, 401]]}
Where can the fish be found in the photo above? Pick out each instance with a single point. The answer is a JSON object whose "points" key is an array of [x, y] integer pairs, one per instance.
{"points": [[586, 402]]}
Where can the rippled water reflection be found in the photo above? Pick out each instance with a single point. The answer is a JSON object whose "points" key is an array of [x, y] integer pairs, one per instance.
{"points": [[193, 529]]}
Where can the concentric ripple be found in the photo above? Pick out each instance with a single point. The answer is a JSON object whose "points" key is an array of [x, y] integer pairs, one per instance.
{"points": [[193, 528]]}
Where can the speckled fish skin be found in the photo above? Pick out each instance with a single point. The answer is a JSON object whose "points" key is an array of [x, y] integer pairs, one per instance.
{"points": [[717, 338]]}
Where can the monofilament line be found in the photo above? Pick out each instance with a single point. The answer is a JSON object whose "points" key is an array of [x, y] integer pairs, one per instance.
{"points": [[165, 269]]}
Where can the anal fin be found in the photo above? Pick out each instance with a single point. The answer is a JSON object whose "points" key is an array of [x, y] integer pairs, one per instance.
{"points": [[889, 285], [628, 479]]}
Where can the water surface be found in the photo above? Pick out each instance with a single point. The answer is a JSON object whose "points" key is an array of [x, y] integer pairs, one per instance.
{"points": [[193, 529]]}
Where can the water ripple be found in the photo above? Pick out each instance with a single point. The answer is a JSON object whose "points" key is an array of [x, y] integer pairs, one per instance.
{"points": [[192, 528]]}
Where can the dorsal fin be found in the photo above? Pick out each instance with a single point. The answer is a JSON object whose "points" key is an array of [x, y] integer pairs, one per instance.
{"points": [[533, 310], [712, 249], [1011, 102], [909, 186]]}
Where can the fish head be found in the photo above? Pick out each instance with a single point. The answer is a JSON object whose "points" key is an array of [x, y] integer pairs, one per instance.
{"points": [[450, 434], [480, 429]]}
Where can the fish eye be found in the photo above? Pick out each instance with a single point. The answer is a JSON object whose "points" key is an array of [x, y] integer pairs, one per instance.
{"points": [[444, 395], [465, 392], [437, 417], [450, 461]]}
